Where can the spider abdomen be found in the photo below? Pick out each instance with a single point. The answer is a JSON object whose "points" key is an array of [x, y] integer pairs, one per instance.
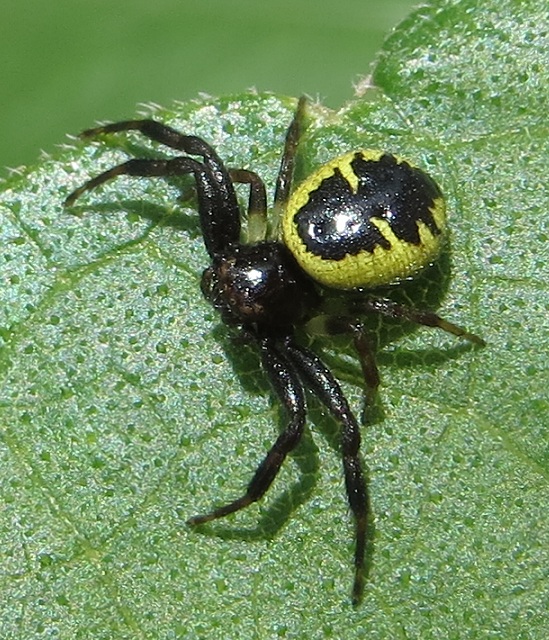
{"points": [[365, 219]]}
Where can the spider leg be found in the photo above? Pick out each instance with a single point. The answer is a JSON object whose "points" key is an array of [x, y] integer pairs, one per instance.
{"points": [[287, 164], [139, 167], [257, 204], [332, 325], [288, 387], [328, 391], [218, 206], [217, 233], [162, 133], [391, 309]]}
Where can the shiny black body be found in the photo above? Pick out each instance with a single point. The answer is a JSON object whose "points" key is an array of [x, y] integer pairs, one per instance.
{"points": [[387, 190], [259, 286]]}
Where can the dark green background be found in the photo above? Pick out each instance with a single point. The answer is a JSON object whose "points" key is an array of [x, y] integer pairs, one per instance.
{"points": [[67, 63]]}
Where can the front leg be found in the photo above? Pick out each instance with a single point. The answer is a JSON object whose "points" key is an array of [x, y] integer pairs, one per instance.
{"points": [[323, 384], [218, 207], [287, 386], [145, 168], [162, 133]]}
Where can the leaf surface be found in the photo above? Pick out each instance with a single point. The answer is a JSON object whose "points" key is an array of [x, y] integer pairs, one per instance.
{"points": [[126, 406]]}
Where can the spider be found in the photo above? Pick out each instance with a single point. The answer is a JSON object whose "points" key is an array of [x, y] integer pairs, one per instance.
{"points": [[365, 219]]}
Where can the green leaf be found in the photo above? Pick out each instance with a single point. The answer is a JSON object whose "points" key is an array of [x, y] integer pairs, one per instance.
{"points": [[126, 406]]}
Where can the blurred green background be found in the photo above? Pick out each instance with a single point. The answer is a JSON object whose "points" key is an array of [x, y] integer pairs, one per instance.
{"points": [[67, 63]]}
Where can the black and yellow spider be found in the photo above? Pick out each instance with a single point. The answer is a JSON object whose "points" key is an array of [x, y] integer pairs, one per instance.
{"points": [[365, 219]]}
